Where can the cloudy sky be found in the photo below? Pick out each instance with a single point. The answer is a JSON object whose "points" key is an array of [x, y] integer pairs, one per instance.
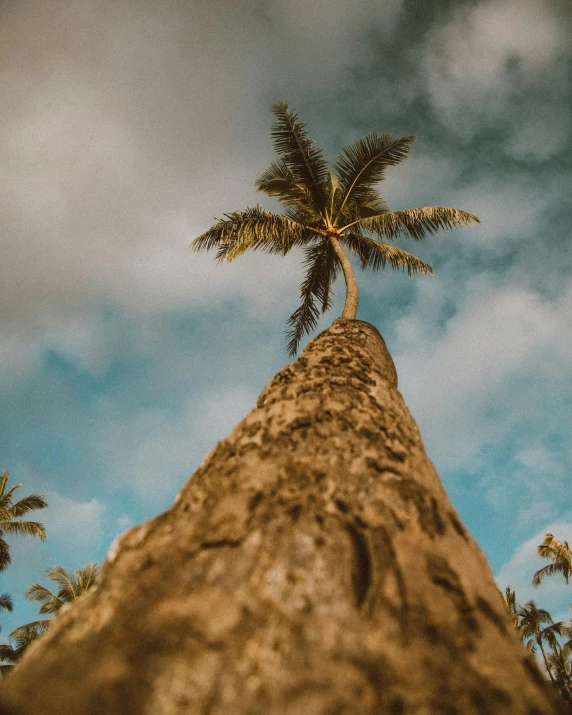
{"points": [[126, 127]]}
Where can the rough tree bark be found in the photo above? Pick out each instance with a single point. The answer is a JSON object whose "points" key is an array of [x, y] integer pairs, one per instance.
{"points": [[313, 564]]}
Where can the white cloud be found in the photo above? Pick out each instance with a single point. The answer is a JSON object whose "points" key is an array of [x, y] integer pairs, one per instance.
{"points": [[484, 54]]}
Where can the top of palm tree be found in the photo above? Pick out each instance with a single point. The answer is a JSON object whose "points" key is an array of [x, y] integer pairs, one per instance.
{"points": [[559, 553], [71, 586], [10, 517], [326, 211]]}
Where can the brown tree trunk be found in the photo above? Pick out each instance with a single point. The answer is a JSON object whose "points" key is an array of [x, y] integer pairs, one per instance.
{"points": [[312, 565], [351, 302]]}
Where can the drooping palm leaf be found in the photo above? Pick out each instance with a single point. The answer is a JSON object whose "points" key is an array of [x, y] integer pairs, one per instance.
{"points": [[24, 635], [6, 602], [277, 181], [29, 503], [28, 528], [418, 222], [5, 559], [321, 268], [363, 163], [251, 229], [51, 603], [304, 160], [376, 254]]}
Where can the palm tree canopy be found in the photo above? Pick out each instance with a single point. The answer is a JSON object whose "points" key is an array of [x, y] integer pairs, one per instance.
{"points": [[71, 586], [559, 553], [328, 211], [10, 517]]}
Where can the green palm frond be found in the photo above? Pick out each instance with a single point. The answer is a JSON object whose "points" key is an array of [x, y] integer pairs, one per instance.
{"points": [[376, 254], [51, 603], [5, 559], [6, 499], [28, 528], [277, 181], [321, 267], [364, 162], [251, 229], [3, 479], [304, 160], [29, 503], [86, 577], [561, 556], [24, 635], [418, 222], [66, 581], [6, 602]]}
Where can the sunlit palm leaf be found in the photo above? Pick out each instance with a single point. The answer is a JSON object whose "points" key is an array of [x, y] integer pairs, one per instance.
{"points": [[251, 229], [304, 160], [51, 603], [30, 503], [321, 268], [364, 162], [561, 556], [28, 528], [417, 223], [376, 254], [6, 498], [3, 479]]}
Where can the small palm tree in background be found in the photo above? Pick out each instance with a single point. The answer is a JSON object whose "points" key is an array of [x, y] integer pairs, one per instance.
{"points": [[10, 517], [561, 666], [559, 553], [71, 586], [509, 600], [325, 213], [537, 627]]}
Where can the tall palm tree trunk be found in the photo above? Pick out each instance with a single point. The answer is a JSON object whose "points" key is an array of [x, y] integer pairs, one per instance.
{"points": [[539, 641], [312, 565], [351, 304]]}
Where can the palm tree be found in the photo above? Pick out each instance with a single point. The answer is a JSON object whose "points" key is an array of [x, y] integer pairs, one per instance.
{"points": [[325, 213], [6, 651], [10, 522], [509, 600], [71, 586], [559, 553], [532, 619], [561, 666]]}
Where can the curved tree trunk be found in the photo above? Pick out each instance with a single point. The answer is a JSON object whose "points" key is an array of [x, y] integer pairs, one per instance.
{"points": [[351, 303], [312, 565]]}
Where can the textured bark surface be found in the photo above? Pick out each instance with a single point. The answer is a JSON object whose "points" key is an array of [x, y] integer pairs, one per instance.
{"points": [[313, 564]]}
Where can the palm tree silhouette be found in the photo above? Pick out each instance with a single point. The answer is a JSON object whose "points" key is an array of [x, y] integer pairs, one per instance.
{"points": [[325, 213], [537, 626]]}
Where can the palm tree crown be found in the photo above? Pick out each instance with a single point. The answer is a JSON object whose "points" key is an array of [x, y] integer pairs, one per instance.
{"points": [[10, 522], [71, 586], [325, 213], [559, 553], [537, 627]]}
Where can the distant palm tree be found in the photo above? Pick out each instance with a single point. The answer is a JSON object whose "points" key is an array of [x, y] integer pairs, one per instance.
{"points": [[537, 627], [71, 586], [509, 600], [559, 553], [561, 666], [10, 522], [325, 213], [6, 651]]}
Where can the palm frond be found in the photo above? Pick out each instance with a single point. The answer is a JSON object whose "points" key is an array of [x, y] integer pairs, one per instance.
{"points": [[363, 163], [376, 254], [24, 635], [29, 503], [550, 570], [251, 229], [277, 181], [7, 652], [6, 499], [321, 267], [5, 559], [29, 528], [418, 222], [66, 581], [6, 602], [3, 479], [51, 603], [304, 160], [86, 577]]}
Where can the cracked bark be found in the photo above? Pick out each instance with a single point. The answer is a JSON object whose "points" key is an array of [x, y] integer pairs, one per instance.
{"points": [[313, 564]]}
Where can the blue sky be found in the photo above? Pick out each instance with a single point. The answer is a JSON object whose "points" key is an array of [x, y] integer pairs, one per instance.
{"points": [[123, 357]]}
